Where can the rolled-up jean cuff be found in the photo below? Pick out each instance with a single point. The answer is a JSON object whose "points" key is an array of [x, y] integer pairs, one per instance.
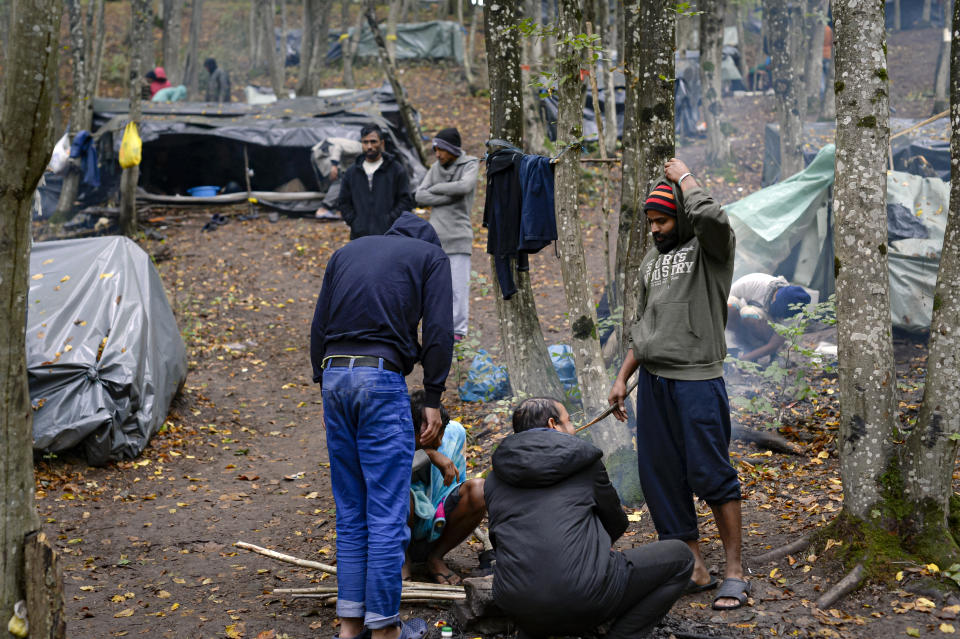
{"points": [[716, 503], [689, 535], [350, 609], [374, 621]]}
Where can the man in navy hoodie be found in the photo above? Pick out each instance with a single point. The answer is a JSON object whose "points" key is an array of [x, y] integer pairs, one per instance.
{"points": [[375, 292]]}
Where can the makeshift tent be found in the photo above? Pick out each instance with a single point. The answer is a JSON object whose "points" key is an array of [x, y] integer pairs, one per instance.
{"points": [[922, 151], [104, 354], [434, 40], [188, 144], [787, 229]]}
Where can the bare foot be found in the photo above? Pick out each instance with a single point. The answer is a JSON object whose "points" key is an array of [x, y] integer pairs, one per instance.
{"points": [[441, 573]]}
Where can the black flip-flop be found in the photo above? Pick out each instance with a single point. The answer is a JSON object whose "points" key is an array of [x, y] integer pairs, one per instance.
{"points": [[693, 587], [446, 576], [732, 588]]}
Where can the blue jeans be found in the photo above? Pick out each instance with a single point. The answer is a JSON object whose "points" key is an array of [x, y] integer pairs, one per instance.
{"points": [[370, 441]]}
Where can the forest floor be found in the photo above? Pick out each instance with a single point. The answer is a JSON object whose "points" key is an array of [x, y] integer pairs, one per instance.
{"points": [[147, 545]]}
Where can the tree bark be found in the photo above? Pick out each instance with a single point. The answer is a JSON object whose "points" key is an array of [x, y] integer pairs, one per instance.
{"points": [[191, 71], [350, 44], [828, 108], [265, 11], [779, 16], [925, 12], [867, 381], [316, 20], [711, 81], [535, 134], [45, 601], [26, 136], [393, 15], [96, 25], [468, 74], [585, 343], [406, 113], [648, 135], [739, 13], [475, 16], [941, 89], [815, 19], [140, 12], [521, 339], [172, 39], [897, 16], [930, 453], [608, 40], [81, 106]]}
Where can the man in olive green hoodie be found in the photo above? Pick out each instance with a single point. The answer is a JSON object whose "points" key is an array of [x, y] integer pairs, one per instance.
{"points": [[677, 343]]}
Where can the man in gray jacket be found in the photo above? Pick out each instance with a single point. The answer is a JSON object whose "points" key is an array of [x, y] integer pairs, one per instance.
{"points": [[677, 344], [449, 187], [218, 84]]}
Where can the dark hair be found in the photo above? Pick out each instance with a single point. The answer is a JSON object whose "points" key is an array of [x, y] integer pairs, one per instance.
{"points": [[535, 413], [417, 398], [210, 64], [370, 128]]}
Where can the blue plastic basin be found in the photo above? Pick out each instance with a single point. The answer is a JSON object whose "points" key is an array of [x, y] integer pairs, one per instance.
{"points": [[203, 191]]}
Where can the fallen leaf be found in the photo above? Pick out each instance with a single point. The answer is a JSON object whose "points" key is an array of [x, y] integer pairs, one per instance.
{"points": [[128, 612], [163, 594], [913, 632], [946, 628]]}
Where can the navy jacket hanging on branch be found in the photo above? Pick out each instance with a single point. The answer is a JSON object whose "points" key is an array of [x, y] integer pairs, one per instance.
{"points": [[518, 212]]}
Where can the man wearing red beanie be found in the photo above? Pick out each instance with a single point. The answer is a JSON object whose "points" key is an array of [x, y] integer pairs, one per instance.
{"points": [[677, 347]]}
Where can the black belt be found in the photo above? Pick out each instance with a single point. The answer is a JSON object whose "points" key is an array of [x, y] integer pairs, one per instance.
{"points": [[343, 361]]}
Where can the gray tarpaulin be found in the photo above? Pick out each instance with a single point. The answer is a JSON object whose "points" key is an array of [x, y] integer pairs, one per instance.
{"points": [[104, 354], [787, 229]]}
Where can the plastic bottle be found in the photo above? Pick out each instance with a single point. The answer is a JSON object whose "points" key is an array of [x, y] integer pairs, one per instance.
{"points": [[446, 632]]}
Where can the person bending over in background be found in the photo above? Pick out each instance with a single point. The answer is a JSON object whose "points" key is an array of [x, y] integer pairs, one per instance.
{"points": [[445, 507], [755, 300], [553, 517]]}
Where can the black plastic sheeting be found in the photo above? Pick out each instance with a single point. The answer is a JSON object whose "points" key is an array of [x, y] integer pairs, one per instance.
{"points": [[924, 151], [104, 353], [902, 223], [188, 144]]}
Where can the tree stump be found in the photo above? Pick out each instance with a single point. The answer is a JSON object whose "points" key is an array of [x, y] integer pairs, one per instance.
{"points": [[479, 613], [45, 603]]}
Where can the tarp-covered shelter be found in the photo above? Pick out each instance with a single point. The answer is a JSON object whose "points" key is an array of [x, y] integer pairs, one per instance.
{"points": [[923, 150], [189, 144], [787, 229], [433, 40], [104, 353]]}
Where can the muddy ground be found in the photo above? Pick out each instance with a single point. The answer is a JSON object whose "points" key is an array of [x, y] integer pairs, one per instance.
{"points": [[147, 545]]}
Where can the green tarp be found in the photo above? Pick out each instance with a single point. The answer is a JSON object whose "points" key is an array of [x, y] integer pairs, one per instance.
{"points": [[787, 229]]}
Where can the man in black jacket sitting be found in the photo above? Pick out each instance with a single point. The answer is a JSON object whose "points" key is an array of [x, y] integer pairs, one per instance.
{"points": [[553, 517], [375, 190]]}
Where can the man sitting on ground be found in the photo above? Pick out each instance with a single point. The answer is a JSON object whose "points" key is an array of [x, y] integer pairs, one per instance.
{"points": [[445, 507], [756, 300], [553, 518]]}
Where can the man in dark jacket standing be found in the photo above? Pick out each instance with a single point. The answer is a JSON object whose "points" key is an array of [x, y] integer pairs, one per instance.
{"points": [[677, 347], [218, 84], [553, 517], [375, 293], [375, 190]]}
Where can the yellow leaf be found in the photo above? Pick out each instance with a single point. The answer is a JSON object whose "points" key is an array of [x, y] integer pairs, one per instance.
{"points": [[106, 276], [774, 573], [233, 632], [934, 568], [38, 276], [64, 278], [900, 576], [946, 628], [163, 594], [923, 602], [634, 517], [913, 632], [128, 612], [174, 606], [178, 580], [86, 588], [824, 455], [118, 598]]}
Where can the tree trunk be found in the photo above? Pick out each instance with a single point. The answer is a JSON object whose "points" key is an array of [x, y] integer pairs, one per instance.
{"points": [[475, 15], [26, 137], [648, 135], [828, 108], [256, 36], [393, 15], [96, 25], [350, 44], [867, 382], [265, 11], [148, 54], [467, 62], [406, 113], [778, 15], [45, 601], [191, 72], [535, 135], [711, 80], [172, 39], [81, 107], [316, 20], [816, 16], [591, 373], [931, 448], [140, 12], [941, 100], [608, 40], [897, 16], [521, 339], [925, 13], [740, 12]]}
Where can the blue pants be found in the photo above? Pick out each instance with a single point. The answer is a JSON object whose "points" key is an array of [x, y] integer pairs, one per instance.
{"points": [[683, 440], [370, 441]]}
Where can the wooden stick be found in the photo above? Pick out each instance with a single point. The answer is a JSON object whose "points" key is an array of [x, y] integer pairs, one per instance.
{"points": [[607, 412], [842, 588], [408, 586], [306, 563], [599, 159], [783, 551], [920, 124], [404, 596]]}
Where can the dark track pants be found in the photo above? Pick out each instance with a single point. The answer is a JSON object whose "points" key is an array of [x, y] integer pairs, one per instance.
{"points": [[683, 440]]}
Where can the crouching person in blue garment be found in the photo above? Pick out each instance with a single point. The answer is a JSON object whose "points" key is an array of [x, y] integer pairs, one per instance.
{"points": [[445, 506], [553, 517], [363, 342]]}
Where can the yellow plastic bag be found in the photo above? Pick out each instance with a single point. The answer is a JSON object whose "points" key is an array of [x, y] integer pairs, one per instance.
{"points": [[130, 147]]}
